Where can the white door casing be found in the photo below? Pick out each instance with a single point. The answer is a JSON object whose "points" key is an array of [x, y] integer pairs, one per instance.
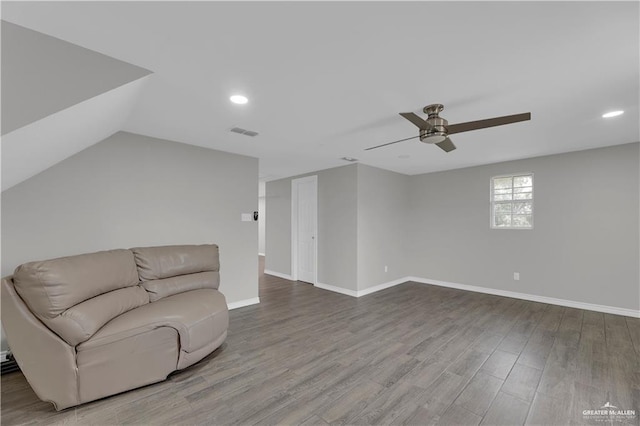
{"points": [[304, 207]]}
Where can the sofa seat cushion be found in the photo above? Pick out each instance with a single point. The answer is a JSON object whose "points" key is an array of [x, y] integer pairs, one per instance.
{"points": [[199, 317]]}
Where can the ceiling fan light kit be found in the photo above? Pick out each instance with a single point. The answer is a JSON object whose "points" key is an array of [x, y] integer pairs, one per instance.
{"points": [[436, 130]]}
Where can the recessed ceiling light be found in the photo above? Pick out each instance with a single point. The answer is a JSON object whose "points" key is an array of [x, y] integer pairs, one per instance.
{"points": [[612, 114], [349, 159], [239, 99]]}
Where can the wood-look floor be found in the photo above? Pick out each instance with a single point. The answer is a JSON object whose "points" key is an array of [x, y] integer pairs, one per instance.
{"points": [[411, 354]]}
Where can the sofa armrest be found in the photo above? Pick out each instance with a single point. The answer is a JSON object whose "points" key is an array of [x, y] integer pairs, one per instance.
{"points": [[48, 362]]}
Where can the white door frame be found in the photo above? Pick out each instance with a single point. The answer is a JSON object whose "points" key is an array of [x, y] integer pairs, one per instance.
{"points": [[294, 227]]}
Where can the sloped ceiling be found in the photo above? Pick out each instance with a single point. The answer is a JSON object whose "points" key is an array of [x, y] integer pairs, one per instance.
{"points": [[35, 147], [57, 99], [327, 79], [42, 75]]}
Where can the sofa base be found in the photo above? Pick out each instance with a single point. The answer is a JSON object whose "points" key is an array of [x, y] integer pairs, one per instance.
{"points": [[189, 358], [136, 361]]}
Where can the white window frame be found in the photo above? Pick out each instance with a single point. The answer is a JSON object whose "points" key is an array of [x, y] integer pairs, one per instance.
{"points": [[492, 202]]}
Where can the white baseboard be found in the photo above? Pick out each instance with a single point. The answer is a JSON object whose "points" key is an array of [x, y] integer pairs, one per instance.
{"points": [[360, 293], [261, 254], [515, 295], [531, 297], [335, 289], [4, 356], [243, 303], [278, 274], [382, 286]]}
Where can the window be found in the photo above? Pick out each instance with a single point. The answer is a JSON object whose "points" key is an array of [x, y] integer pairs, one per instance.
{"points": [[512, 202]]}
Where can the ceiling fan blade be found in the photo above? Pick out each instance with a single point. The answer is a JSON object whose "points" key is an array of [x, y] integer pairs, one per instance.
{"points": [[422, 124], [489, 122], [446, 145], [391, 143]]}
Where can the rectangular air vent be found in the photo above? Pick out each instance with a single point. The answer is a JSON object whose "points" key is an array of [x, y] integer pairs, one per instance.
{"points": [[244, 131]]}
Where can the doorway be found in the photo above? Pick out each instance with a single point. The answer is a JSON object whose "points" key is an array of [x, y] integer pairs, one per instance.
{"points": [[304, 229]]}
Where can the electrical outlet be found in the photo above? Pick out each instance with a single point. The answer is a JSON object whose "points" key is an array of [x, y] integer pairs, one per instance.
{"points": [[386, 268], [516, 276]]}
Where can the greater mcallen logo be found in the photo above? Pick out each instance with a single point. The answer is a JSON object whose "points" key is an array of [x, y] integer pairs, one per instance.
{"points": [[609, 413]]}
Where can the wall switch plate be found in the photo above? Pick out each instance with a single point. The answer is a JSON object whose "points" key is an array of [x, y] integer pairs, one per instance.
{"points": [[516, 276], [246, 217], [386, 268]]}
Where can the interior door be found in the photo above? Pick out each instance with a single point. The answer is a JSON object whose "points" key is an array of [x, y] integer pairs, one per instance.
{"points": [[306, 228]]}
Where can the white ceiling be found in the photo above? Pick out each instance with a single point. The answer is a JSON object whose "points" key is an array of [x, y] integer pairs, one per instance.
{"points": [[327, 79]]}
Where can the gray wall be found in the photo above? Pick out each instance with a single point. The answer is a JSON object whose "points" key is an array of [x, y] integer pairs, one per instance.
{"points": [[584, 245], [383, 204], [42, 75], [361, 226], [261, 225], [278, 227], [130, 190], [337, 226]]}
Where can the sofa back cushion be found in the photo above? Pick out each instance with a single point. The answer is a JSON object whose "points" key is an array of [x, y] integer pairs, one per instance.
{"points": [[155, 263], [50, 287], [78, 323], [74, 296], [169, 270], [158, 289]]}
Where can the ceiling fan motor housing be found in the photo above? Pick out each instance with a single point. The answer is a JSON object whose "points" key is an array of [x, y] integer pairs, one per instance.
{"points": [[438, 126]]}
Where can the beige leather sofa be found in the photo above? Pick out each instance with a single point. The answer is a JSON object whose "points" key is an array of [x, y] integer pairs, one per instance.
{"points": [[88, 326]]}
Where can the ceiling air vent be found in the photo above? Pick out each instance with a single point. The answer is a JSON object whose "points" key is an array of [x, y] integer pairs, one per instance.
{"points": [[244, 131]]}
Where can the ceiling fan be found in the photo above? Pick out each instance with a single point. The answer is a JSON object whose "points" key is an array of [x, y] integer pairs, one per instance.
{"points": [[436, 130]]}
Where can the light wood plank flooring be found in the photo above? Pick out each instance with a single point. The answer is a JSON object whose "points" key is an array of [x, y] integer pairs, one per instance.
{"points": [[412, 354]]}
